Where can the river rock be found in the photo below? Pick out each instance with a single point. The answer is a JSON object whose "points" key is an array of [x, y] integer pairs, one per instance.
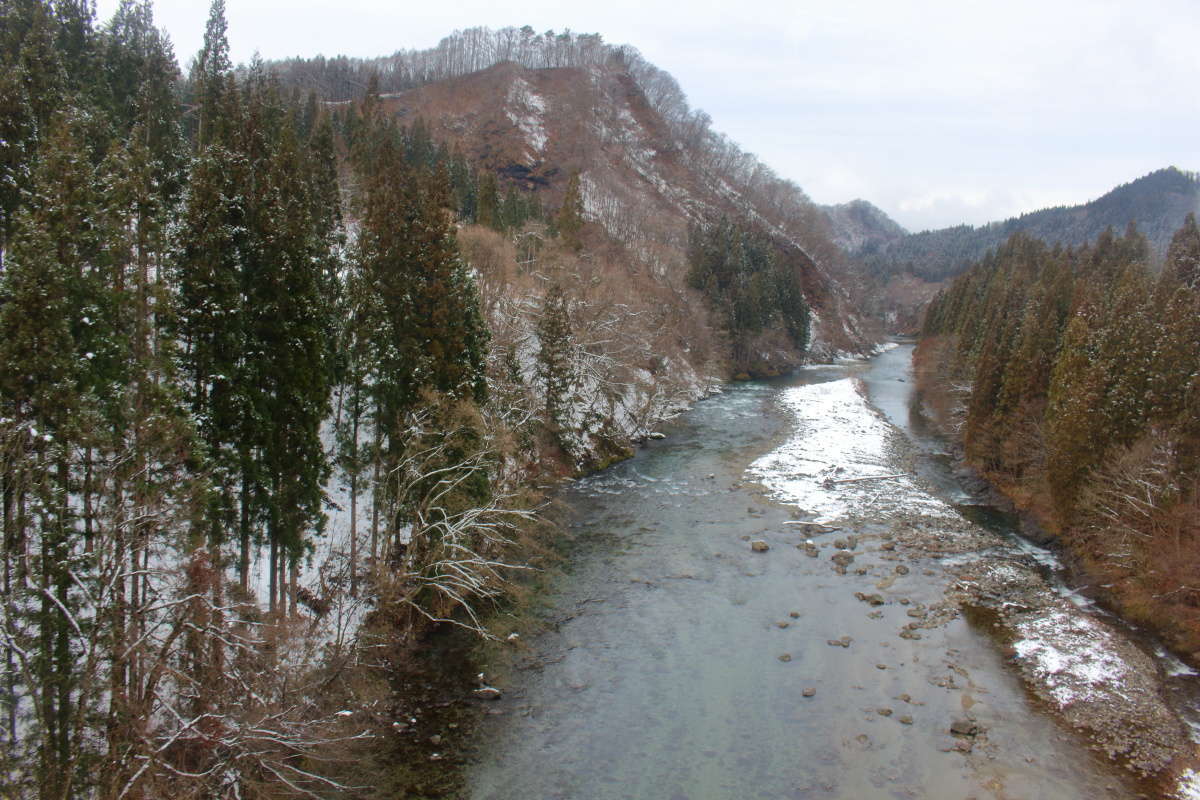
{"points": [[851, 542], [809, 692], [842, 642], [488, 693], [843, 558], [888, 546], [901, 569], [810, 550], [872, 599], [964, 727], [759, 546], [840, 544], [786, 657], [905, 719]]}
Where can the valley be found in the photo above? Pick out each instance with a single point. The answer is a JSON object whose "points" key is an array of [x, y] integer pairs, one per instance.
{"points": [[479, 421]]}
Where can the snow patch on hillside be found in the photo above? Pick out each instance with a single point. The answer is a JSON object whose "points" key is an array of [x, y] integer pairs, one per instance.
{"points": [[526, 109]]}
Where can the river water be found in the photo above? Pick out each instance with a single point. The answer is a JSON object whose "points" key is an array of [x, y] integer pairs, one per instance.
{"points": [[675, 660]]}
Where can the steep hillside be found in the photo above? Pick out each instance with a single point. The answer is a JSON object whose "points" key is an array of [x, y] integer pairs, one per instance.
{"points": [[641, 185], [1156, 203], [536, 109]]}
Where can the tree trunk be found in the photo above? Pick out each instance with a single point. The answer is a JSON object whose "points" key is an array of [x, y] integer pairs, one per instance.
{"points": [[244, 529], [274, 567], [375, 498], [354, 534]]}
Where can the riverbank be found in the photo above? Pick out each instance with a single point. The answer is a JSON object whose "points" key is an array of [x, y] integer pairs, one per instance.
{"points": [[1083, 669]]}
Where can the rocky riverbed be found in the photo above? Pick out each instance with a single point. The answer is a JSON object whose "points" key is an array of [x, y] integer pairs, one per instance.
{"points": [[777, 601], [1083, 670]]}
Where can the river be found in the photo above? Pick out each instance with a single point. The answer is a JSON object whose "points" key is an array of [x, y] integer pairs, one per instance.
{"points": [[675, 660]]}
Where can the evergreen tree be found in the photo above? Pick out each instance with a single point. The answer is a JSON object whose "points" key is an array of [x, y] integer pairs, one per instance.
{"points": [[428, 335], [1183, 256], [487, 209], [569, 221], [554, 364]]}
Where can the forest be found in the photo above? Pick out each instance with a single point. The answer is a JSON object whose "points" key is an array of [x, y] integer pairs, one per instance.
{"points": [[231, 309], [1072, 377]]}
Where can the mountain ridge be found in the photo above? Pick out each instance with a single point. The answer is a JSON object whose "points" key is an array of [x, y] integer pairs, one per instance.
{"points": [[1156, 202]]}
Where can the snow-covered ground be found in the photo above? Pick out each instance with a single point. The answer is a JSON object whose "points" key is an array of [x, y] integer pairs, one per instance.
{"points": [[1070, 654], [838, 441]]}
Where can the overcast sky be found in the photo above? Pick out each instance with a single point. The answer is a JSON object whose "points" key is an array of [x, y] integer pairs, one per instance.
{"points": [[939, 112]]}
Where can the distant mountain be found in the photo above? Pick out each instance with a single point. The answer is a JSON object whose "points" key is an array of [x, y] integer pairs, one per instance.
{"points": [[857, 226], [1156, 203]]}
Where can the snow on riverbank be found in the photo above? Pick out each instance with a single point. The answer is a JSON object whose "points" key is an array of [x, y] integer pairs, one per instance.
{"points": [[1082, 668], [1070, 654], [839, 441]]}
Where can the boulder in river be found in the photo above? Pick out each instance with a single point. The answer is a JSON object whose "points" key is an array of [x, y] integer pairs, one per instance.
{"points": [[759, 546], [964, 727], [843, 558], [872, 599]]}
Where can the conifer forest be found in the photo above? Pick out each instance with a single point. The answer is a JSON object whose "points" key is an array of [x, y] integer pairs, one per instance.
{"points": [[382, 428]]}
